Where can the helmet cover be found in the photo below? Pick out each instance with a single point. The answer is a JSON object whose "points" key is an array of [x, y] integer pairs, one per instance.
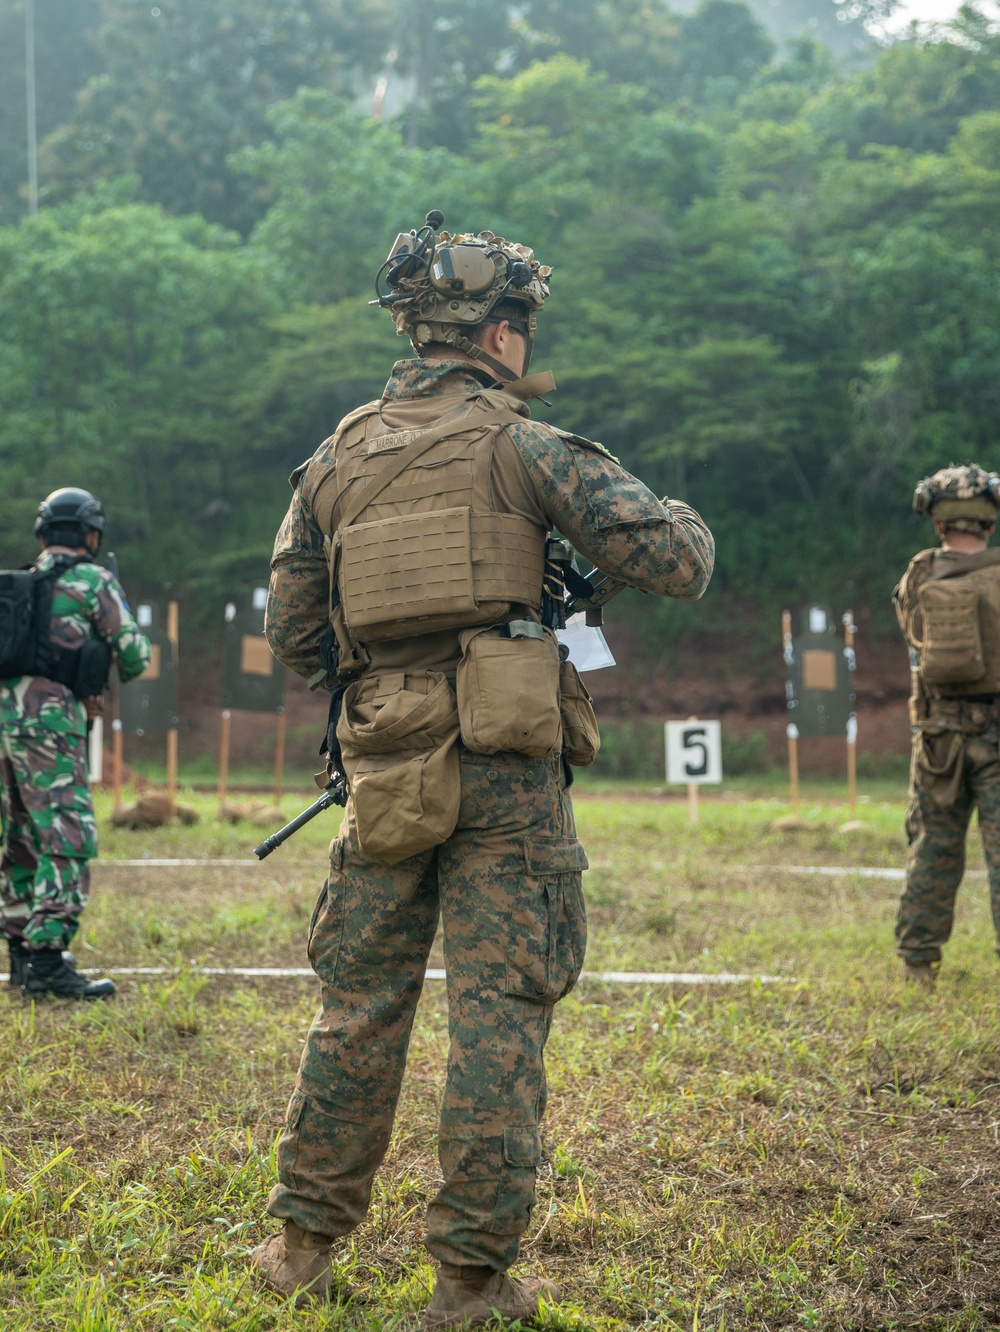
{"points": [[441, 286]]}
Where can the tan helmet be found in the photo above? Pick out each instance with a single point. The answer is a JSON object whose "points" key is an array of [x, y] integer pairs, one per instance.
{"points": [[965, 498], [439, 287]]}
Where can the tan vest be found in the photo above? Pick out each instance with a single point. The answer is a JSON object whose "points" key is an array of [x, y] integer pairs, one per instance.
{"points": [[953, 623], [431, 551]]}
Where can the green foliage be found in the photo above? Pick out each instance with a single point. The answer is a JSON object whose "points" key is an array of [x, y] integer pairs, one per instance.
{"points": [[774, 293], [127, 335]]}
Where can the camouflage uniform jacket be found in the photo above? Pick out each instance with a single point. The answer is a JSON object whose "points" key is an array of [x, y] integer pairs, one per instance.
{"points": [[87, 602], [563, 482]]}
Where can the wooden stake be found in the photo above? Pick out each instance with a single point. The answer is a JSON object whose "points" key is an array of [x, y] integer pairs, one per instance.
{"points": [[172, 635], [852, 729], [117, 759], [224, 738], [279, 755], [793, 764], [852, 773], [692, 794], [792, 731]]}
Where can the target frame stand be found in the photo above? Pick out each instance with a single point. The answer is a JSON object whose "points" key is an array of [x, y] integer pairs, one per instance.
{"points": [[253, 681]]}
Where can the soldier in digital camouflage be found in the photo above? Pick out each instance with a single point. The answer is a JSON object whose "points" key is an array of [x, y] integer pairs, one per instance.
{"points": [[427, 514], [948, 606], [49, 832]]}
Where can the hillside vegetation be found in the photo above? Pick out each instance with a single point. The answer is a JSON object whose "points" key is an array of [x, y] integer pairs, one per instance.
{"points": [[775, 284]]}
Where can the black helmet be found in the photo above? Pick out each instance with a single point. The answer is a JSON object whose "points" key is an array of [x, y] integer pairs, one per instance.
{"points": [[67, 515]]}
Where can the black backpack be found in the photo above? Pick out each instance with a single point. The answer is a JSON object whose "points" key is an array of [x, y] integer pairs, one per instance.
{"points": [[25, 649]]}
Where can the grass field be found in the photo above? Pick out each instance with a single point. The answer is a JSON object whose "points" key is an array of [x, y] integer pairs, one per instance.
{"points": [[814, 1154]]}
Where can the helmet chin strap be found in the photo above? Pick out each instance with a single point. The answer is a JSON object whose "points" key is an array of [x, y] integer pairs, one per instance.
{"points": [[455, 338]]}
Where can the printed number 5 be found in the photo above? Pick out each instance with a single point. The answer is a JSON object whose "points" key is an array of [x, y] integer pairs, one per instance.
{"points": [[694, 739]]}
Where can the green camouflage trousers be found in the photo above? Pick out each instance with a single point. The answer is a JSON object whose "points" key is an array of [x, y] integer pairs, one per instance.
{"points": [[507, 889], [49, 836], [936, 859]]}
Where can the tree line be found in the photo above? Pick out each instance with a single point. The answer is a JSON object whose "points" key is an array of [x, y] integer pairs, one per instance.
{"points": [[775, 283]]}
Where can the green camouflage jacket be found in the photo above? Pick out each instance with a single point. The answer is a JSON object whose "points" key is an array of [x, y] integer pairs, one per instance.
{"points": [[87, 602], [610, 517]]}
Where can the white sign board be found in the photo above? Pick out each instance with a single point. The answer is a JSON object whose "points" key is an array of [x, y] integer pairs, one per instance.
{"points": [[694, 752]]}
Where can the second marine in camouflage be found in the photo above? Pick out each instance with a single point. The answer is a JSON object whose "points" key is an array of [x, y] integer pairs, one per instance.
{"points": [[422, 523], [948, 605]]}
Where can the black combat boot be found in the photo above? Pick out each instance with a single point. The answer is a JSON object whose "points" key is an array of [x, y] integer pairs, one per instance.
{"points": [[49, 974], [19, 956]]}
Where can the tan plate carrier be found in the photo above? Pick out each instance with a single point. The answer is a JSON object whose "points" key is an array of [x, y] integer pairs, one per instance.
{"points": [[449, 567]]}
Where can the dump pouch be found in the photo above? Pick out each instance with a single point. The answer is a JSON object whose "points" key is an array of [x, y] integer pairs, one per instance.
{"points": [[508, 690], [951, 650], [398, 735], [581, 734]]}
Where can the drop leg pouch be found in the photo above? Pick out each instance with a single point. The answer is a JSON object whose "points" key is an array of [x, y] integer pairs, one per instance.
{"points": [[398, 735]]}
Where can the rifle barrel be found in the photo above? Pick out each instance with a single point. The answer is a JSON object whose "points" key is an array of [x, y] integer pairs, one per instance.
{"points": [[272, 843]]}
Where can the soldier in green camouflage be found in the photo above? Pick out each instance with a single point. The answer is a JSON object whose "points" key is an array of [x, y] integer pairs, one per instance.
{"points": [[948, 606], [503, 875], [49, 832]]}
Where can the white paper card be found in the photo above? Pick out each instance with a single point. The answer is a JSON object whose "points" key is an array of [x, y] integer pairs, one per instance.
{"points": [[588, 648]]}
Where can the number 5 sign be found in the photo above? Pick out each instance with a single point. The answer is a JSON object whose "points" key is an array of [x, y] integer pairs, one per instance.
{"points": [[694, 752]]}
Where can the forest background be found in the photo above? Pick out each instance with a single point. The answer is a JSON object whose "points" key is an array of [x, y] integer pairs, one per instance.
{"points": [[775, 247]]}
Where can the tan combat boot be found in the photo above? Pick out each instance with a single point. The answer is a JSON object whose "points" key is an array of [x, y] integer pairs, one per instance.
{"points": [[470, 1296], [298, 1262], [919, 973]]}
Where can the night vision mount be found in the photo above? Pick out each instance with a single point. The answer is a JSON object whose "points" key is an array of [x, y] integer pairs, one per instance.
{"points": [[458, 270]]}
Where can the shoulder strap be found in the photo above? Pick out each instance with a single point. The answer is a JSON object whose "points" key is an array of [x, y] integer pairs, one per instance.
{"points": [[954, 569], [400, 461]]}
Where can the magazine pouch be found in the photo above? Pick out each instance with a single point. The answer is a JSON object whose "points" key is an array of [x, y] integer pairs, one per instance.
{"points": [[398, 734]]}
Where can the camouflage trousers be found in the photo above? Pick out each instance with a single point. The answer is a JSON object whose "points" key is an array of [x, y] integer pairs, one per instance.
{"points": [[49, 836], [936, 860], [507, 889]]}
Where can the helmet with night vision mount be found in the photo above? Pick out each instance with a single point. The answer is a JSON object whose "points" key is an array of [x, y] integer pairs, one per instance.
{"points": [[441, 288]]}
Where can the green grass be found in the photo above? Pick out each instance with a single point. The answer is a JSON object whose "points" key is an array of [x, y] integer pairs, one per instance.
{"points": [[815, 1154]]}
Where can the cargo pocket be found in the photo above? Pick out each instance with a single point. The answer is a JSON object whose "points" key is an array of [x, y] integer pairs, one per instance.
{"points": [[522, 1154], [287, 1150], [398, 735], [939, 766], [547, 935], [326, 929]]}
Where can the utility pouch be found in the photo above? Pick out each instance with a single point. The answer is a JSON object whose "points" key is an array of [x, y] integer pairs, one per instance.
{"points": [[508, 690], [93, 665], [398, 735], [951, 652], [581, 734]]}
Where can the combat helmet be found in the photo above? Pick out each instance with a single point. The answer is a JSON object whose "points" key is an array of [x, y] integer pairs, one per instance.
{"points": [[67, 515], [440, 288], [964, 498]]}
